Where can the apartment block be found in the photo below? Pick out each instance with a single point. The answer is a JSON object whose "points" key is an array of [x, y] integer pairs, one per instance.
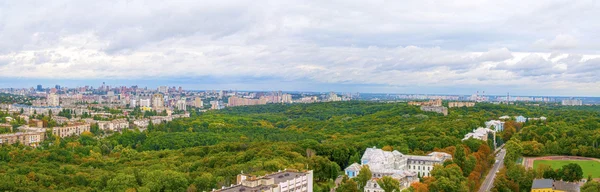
{"points": [[282, 181], [72, 129], [461, 104], [26, 136], [114, 125]]}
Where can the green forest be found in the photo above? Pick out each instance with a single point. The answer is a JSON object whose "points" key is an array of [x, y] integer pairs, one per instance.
{"points": [[209, 149]]}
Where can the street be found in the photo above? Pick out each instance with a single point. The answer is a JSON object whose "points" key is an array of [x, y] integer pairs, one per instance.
{"points": [[489, 179]]}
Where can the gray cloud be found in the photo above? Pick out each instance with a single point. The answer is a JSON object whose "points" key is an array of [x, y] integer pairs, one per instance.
{"points": [[532, 65], [381, 42]]}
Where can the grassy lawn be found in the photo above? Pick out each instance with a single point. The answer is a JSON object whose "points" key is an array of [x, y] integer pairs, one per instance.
{"points": [[589, 167]]}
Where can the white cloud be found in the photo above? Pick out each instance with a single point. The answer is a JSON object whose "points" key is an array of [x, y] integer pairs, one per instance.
{"points": [[561, 41], [424, 43]]}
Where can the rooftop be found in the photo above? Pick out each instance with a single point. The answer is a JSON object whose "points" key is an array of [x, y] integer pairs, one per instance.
{"points": [[284, 176], [558, 185], [542, 183]]}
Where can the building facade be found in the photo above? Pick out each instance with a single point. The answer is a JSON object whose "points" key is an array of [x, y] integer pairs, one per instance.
{"points": [[549, 185], [181, 105], [282, 181], [114, 125], [237, 101], [27, 136], [198, 102], [158, 101], [461, 104], [435, 103], [145, 103], [404, 168], [572, 102], [70, 130], [496, 124], [53, 100], [520, 119], [438, 109], [479, 133]]}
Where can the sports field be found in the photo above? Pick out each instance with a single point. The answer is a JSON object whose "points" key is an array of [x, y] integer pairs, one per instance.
{"points": [[590, 167]]}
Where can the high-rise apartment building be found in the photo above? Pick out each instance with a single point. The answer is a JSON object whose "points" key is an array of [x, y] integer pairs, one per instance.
{"points": [[53, 100], [572, 102], [158, 101], [286, 98], [216, 104], [133, 102], [163, 89], [181, 104], [237, 101], [198, 102], [334, 97], [145, 103]]}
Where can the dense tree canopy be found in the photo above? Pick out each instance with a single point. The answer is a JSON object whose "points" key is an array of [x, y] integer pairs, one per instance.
{"points": [[208, 150]]}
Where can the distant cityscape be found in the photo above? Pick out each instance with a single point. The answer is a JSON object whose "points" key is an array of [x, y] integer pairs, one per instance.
{"points": [[36, 113], [177, 98]]}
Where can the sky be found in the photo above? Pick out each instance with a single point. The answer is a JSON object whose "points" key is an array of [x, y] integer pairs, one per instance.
{"points": [[412, 46]]}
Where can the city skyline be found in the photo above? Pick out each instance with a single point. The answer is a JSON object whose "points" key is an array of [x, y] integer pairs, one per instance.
{"points": [[530, 48], [244, 88]]}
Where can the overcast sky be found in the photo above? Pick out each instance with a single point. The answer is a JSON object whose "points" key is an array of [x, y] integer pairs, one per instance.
{"points": [[422, 46]]}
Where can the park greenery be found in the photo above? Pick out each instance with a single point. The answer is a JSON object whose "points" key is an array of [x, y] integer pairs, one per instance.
{"points": [[589, 167], [570, 131], [208, 150], [20, 99]]}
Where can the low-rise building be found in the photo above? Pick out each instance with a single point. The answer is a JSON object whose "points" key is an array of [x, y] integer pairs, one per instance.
{"points": [[542, 118], [550, 185], [496, 124], [437, 109], [30, 110], [89, 120], [183, 115], [479, 133], [26, 136], [24, 117], [114, 125], [405, 179], [461, 104], [36, 123], [141, 122], [6, 126], [60, 120], [572, 102], [287, 180], [435, 103], [520, 119], [70, 130], [404, 168], [160, 119]]}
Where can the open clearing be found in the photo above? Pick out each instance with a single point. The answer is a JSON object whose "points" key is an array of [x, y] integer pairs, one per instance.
{"points": [[590, 167]]}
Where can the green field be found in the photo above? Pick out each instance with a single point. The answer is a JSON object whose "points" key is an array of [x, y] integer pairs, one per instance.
{"points": [[589, 167]]}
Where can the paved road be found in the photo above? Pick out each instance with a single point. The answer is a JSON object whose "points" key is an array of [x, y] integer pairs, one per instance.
{"points": [[489, 179]]}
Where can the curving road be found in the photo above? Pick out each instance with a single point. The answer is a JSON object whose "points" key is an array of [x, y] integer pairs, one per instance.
{"points": [[488, 183]]}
